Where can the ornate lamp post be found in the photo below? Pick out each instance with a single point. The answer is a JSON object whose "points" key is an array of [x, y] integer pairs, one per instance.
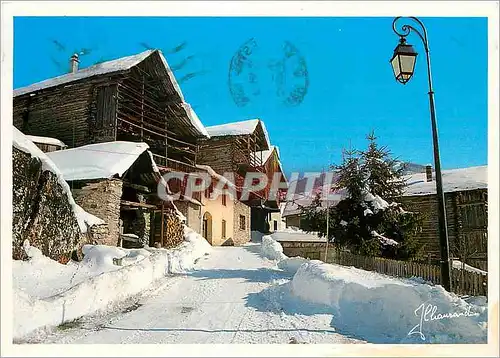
{"points": [[403, 65]]}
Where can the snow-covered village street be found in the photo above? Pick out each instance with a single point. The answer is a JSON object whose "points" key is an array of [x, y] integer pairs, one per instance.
{"points": [[248, 294], [227, 298]]}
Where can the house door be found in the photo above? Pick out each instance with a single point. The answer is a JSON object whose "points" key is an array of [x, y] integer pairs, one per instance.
{"points": [[207, 227]]}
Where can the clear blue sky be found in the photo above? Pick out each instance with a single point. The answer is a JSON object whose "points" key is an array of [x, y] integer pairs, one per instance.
{"points": [[351, 86]]}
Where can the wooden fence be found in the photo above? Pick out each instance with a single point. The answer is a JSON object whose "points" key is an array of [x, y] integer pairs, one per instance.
{"points": [[463, 282]]}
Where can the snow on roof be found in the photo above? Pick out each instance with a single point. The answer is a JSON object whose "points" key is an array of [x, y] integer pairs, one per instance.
{"points": [[290, 234], [97, 161], [120, 64], [238, 128], [453, 180], [193, 117], [46, 140], [21, 142]]}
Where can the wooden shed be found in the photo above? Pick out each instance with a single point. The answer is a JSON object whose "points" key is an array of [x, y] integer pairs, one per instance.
{"points": [[466, 201]]}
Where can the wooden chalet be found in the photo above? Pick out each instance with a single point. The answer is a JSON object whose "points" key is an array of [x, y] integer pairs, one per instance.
{"points": [[466, 201], [231, 148], [133, 98], [240, 148]]}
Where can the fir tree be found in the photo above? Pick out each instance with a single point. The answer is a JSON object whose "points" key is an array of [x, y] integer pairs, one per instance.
{"points": [[385, 177], [364, 221]]}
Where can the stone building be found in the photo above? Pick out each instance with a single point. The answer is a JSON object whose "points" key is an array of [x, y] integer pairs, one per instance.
{"points": [[118, 182], [217, 214], [44, 211]]}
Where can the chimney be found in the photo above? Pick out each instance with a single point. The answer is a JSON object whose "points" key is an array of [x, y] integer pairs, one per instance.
{"points": [[73, 63], [428, 172]]}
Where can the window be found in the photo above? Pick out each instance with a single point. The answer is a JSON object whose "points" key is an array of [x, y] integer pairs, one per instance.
{"points": [[275, 225], [208, 191], [224, 200], [242, 222], [223, 229]]}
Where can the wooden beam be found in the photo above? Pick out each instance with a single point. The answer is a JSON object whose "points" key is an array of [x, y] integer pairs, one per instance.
{"points": [[136, 186], [139, 205]]}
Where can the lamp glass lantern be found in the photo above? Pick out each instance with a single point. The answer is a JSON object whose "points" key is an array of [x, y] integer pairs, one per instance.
{"points": [[403, 61]]}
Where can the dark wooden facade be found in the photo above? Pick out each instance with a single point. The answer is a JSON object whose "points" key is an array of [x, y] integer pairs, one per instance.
{"points": [[235, 154], [139, 104], [467, 218]]}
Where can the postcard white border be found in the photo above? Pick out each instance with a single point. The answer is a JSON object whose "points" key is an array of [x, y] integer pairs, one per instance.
{"points": [[488, 9]]}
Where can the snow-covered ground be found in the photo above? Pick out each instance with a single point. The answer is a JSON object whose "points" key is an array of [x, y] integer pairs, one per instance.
{"points": [[233, 295], [48, 293], [249, 294], [380, 308]]}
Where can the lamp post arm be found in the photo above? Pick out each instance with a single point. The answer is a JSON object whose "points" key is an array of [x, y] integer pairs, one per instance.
{"points": [[405, 30]]}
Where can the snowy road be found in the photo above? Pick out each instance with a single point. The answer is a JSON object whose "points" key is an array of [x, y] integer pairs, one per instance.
{"points": [[232, 296]]}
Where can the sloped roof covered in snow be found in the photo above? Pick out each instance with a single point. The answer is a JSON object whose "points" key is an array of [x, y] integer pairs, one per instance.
{"points": [[453, 180], [46, 140], [123, 64], [241, 128], [97, 161]]}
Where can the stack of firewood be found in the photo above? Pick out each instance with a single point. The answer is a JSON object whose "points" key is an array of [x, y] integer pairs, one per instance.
{"points": [[173, 233]]}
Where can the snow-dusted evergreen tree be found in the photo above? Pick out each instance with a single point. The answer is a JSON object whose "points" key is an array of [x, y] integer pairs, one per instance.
{"points": [[368, 221], [385, 174]]}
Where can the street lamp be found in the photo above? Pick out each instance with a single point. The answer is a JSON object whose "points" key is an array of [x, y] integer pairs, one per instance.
{"points": [[403, 65]]}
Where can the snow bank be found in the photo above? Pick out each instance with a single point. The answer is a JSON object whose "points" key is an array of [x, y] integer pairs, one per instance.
{"points": [[382, 309], [271, 249], [21, 142], [48, 293], [291, 264]]}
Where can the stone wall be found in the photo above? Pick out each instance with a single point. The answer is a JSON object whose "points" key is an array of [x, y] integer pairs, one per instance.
{"points": [[102, 199], [241, 236], [310, 250], [191, 212], [41, 211]]}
